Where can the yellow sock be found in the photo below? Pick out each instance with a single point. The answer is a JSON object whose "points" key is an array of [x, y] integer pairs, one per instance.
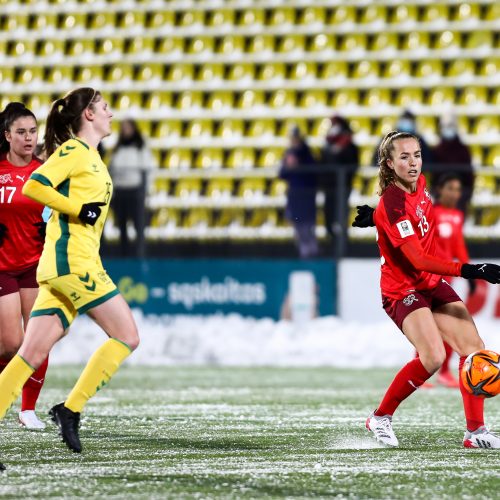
{"points": [[12, 380], [100, 368]]}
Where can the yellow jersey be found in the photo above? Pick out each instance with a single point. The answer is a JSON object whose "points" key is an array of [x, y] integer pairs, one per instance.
{"points": [[73, 175]]}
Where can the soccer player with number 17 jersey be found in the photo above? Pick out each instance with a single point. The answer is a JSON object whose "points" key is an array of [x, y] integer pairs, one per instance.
{"points": [[415, 295]]}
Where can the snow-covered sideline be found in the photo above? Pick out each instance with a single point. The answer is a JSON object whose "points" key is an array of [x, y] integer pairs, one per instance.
{"points": [[234, 340]]}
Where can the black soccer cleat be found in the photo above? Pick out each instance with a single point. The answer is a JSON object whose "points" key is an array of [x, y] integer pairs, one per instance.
{"points": [[2, 467], [68, 422]]}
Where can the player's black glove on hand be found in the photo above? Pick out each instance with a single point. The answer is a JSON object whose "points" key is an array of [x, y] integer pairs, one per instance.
{"points": [[488, 272], [472, 286], [3, 231], [90, 212], [364, 217], [42, 227]]}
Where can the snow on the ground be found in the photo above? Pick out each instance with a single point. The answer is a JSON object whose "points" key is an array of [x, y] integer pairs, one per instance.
{"points": [[236, 340]]}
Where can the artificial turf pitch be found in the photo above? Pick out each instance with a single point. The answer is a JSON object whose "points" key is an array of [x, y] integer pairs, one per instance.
{"points": [[197, 432]]}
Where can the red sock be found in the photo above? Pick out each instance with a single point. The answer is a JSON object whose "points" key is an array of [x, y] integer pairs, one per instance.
{"points": [[406, 381], [445, 367], [473, 406], [33, 386]]}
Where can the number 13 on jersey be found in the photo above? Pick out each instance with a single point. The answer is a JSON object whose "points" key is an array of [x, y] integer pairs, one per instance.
{"points": [[423, 225]]}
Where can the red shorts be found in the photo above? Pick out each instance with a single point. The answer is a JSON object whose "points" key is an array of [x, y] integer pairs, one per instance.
{"points": [[12, 281], [398, 309]]}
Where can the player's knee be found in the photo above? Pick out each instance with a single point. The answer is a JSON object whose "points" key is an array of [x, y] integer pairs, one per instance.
{"points": [[11, 346], [433, 360], [131, 339], [471, 347]]}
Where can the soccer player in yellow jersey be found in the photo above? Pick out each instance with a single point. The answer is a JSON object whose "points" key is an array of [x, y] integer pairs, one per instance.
{"points": [[75, 183]]}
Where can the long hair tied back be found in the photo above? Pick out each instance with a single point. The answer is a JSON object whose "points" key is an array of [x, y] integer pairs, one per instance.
{"points": [[385, 173], [8, 116], [65, 117]]}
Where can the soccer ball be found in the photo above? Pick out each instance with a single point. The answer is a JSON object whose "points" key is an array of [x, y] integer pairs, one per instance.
{"points": [[481, 373]]}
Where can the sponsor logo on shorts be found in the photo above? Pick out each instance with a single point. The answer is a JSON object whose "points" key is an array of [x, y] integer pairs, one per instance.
{"points": [[409, 299], [103, 277]]}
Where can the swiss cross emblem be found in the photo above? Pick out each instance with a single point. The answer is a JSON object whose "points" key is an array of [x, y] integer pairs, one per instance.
{"points": [[419, 212]]}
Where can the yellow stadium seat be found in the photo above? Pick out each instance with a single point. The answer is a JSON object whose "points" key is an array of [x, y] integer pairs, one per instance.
{"points": [[312, 98], [139, 45], [461, 68], [439, 96], [429, 68], [271, 157], [253, 18], [232, 45], [493, 12], [427, 124], [378, 97], [251, 187], [313, 15], [6, 76], [416, 40], [384, 125], [472, 96], [334, 70], [262, 127], [108, 46], [59, 74], [366, 69], [250, 99], [158, 100], [436, 13], [178, 159], [385, 41], [190, 99], [192, 18], [366, 156], [404, 14], [241, 71], [493, 157], [344, 97], [231, 217], [171, 46], [480, 40], [289, 123], [283, 98], [30, 75], [131, 19], [218, 188], [374, 14], [272, 71], [167, 129], [262, 44], [448, 40], [490, 67], [361, 124], [89, 74], [343, 14], [495, 99], [283, 16], [242, 157], [127, 101], [263, 217], [198, 218], [71, 21], [323, 42], [80, 48], [45, 22], [181, 72], [231, 128], [303, 70], [221, 18], [320, 127], [150, 72], [292, 43], [16, 22], [211, 72], [119, 73], [467, 12], [220, 100], [166, 217], [210, 158], [199, 128], [161, 19], [353, 42], [201, 45], [408, 96], [101, 19], [37, 102], [23, 48], [486, 125], [398, 68]]}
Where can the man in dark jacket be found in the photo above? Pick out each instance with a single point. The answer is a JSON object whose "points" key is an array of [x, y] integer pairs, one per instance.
{"points": [[301, 194]]}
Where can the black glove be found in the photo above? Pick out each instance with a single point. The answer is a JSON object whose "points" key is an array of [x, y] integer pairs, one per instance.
{"points": [[90, 212], [3, 231], [472, 286], [364, 217], [42, 226], [488, 272]]}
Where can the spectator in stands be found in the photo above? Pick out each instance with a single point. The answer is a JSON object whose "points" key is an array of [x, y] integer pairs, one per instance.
{"points": [[407, 123], [454, 155], [338, 152], [131, 158], [301, 194]]}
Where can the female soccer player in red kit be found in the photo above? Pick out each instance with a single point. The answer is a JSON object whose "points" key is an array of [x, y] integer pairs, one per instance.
{"points": [[21, 244], [414, 294]]}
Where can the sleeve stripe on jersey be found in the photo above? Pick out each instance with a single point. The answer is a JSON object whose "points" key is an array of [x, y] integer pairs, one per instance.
{"points": [[41, 179]]}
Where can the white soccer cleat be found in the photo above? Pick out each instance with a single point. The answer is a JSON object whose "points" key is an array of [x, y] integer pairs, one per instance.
{"points": [[481, 438], [28, 419], [382, 429]]}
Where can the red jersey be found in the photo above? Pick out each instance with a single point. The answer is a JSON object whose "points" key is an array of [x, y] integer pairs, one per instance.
{"points": [[449, 235], [402, 217], [22, 245]]}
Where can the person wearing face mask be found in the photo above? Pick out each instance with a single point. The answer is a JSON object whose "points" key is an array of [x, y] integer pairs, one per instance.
{"points": [[453, 156], [338, 152]]}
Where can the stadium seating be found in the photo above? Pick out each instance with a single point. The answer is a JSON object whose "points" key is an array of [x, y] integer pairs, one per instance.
{"points": [[217, 85]]}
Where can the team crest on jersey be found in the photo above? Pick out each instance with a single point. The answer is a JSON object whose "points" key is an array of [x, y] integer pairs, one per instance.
{"points": [[5, 178], [409, 299], [427, 194], [419, 212]]}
